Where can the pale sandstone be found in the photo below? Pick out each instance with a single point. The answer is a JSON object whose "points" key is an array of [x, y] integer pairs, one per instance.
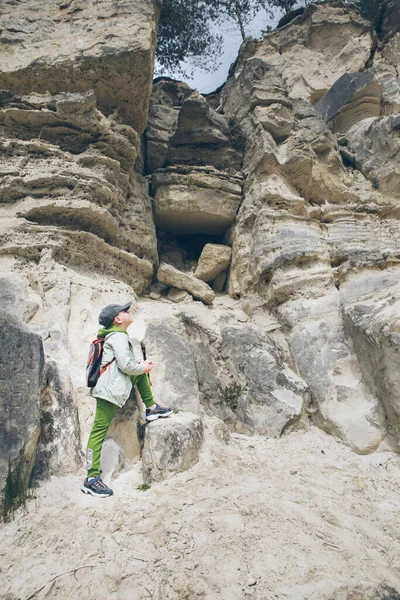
{"points": [[176, 295], [214, 258], [171, 446], [191, 200], [184, 281], [376, 147], [165, 102], [329, 40], [276, 118], [83, 46], [352, 98], [202, 137]]}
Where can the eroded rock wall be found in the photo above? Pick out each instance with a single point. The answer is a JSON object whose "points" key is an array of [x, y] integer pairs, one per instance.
{"points": [[290, 175], [76, 223], [319, 214]]}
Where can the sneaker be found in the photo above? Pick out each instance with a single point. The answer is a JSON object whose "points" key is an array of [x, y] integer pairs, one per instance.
{"points": [[96, 487], [158, 412]]}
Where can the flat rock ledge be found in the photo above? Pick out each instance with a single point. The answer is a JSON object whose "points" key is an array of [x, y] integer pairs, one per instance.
{"points": [[184, 281], [190, 200], [171, 446]]}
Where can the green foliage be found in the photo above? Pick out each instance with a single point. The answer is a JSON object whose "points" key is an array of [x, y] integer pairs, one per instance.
{"points": [[184, 34], [186, 319], [144, 487], [231, 395], [286, 5], [186, 38], [372, 10], [242, 12], [15, 492], [185, 31]]}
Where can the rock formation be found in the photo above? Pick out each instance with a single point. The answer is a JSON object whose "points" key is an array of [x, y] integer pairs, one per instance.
{"points": [[76, 224], [281, 189]]}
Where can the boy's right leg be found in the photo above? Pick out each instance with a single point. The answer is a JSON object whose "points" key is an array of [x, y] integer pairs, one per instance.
{"points": [[103, 417], [153, 410]]}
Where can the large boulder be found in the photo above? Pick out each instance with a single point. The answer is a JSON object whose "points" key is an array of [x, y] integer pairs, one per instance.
{"points": [[171, 446], [185, 281], [327, 360], [265, 394], [59, 446], [192, 200], [75, 47], [173, 377], [352, 98], [371, 301], [214, 259], [21, 378]]}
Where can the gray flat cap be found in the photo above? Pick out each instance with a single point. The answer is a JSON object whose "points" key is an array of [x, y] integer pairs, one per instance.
{"points": [[108, 314]]}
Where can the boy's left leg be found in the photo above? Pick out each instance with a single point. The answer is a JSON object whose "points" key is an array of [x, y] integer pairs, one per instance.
{"points": [[153, 410], [93, 484]]}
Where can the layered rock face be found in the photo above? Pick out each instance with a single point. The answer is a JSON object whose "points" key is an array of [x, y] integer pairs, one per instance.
{"points": [[76, 223], [319, 212], [74, 46], [281, 190]]}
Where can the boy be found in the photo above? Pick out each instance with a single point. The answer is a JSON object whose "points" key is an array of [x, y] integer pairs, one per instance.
{"points": [[119, 372]]}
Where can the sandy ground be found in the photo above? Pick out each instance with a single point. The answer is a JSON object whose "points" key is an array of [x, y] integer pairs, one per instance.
{"points": [[296, 517]]}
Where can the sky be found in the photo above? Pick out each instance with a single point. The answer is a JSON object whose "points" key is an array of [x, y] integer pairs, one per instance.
{"points": [[208, 82]]}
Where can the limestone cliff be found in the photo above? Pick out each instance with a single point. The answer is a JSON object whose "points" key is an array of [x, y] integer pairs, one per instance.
{"points": [[76, 224], [275, 202]]}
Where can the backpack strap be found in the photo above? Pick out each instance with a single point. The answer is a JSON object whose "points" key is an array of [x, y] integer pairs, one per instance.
{"points": [[106, 366]]}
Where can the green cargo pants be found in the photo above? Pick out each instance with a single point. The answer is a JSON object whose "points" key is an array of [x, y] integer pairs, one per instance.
{"points": [[104, 413]]}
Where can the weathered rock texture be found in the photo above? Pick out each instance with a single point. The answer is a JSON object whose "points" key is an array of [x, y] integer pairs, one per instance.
{"points": [[172, 446], [184, 129], [292, 168], [202, 137], [375, 144], [317, 47], [353, 97], [173, 377], [21, 377], [75, 46], [308, 224], [76, 223], [192, 200], [214, 259], [68, 186], [165, 103], [184, 281]]}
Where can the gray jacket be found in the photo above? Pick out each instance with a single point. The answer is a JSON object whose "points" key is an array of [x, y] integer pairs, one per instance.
{"points": [[115, 383]]}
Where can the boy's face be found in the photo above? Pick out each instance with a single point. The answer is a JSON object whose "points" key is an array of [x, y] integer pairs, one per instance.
{"points": [[123, 319]]}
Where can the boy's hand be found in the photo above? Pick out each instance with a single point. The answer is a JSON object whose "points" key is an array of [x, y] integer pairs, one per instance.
{"points": [[148, 365]]}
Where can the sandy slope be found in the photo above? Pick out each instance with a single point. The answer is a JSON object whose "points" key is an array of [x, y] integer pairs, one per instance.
{"points": [[290, 518]]}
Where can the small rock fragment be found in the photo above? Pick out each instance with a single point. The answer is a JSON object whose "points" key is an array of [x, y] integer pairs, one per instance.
{"points": [[176, 295]]}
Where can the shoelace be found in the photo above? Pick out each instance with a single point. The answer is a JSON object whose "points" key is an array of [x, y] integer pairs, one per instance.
{"points": [[99, 485]]}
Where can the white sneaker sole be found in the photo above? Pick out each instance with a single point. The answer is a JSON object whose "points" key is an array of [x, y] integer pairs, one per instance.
{"points": [[86, 490], [155, 417]]}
